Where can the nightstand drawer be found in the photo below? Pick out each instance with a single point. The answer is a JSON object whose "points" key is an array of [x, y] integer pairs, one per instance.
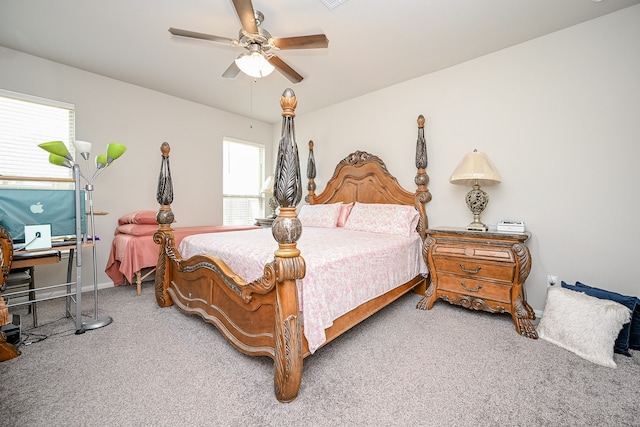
{"points": [[475, 288], [477, 251], [474, 269]]}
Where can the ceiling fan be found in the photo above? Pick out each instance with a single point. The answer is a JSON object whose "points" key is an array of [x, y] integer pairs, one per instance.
{"points": [[259, 60]]}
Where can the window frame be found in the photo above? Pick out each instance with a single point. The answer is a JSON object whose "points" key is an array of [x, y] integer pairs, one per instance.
{"points": [[53, 176], [259, 196]]}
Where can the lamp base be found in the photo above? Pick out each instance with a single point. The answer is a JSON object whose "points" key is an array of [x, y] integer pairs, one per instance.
{"points": [[476, 202], [477, 226], [97, 323]]}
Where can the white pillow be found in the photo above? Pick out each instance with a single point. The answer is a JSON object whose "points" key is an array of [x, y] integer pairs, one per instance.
{"points": [[582, 324], [320, 215], [383, 218]]}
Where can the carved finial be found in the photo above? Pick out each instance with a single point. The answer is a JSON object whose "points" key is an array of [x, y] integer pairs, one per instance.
{"points": [[311, 174], [165, 148], [311, 163], [288, 102], [164, 193], [421, 145]]}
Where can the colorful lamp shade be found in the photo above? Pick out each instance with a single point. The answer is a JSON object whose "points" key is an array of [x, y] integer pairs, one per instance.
{"points": [[101, 161], [56, 147], [54, 159], [114, 151]]}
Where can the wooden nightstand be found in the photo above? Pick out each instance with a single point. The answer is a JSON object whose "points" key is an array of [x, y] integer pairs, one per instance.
{"points": [[480, 271]]}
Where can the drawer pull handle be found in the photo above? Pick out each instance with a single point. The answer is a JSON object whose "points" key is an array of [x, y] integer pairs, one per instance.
{"points": [[469, 289], [478, 268]]}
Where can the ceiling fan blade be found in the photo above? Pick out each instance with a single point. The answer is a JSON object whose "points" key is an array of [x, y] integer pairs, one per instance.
{"points": [[302, 42], [232, 71], [244, 8], [285, 69], [202, 36]]}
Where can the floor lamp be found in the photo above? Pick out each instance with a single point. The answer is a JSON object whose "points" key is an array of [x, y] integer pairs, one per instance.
{"points": [[59, 155]]}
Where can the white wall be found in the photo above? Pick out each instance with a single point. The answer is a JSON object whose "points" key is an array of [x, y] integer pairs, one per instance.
{"points": [[557, 115], [108, 110]]}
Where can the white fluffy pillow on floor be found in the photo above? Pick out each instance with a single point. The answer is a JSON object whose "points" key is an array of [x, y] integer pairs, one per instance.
{"points": [[582, 324]]}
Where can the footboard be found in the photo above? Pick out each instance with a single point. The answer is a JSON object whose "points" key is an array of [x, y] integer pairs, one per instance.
{"points": [[260, 317]]}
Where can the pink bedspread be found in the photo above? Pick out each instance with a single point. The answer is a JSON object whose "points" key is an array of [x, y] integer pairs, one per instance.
{"points": [[133, 252], [344, 268]]}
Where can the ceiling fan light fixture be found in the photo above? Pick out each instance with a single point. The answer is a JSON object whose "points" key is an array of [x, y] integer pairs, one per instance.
{"points": [[254, 64]]}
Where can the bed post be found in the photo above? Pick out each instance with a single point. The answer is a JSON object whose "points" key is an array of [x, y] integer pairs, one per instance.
{"points": [[164, 236], [422, 179], [311, 175], [290, 266]]}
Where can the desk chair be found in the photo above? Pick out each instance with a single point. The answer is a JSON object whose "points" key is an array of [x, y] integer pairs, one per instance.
{"points": [[17, 277], [7, 350], [23, 278]]}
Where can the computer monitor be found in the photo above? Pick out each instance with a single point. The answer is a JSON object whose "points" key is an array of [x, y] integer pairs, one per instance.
{"points": [[20, 207]]}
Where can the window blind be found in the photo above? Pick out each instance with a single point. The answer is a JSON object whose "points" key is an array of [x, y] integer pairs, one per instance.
{"points": [[242, 179], [25, 122]]}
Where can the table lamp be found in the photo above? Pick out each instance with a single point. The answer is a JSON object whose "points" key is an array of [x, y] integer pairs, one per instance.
{"points": [[475, 170], [267, 188]]}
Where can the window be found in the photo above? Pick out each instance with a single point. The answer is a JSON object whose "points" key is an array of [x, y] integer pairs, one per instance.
{"points": [[25, 122], [242, 178]]}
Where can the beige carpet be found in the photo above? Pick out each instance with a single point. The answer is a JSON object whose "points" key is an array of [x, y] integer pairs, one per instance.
{"points": [[445, 367]]}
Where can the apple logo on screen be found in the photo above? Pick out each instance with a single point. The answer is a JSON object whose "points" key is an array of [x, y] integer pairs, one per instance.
{"points": [[37, 208]]}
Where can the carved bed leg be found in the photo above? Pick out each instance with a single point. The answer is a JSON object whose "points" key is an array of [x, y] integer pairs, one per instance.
{"points": [[429, 296], [290, 266], [288, 334]]}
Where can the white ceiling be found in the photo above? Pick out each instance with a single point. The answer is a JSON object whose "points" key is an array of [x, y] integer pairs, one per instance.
{"points": [[372, 44]]}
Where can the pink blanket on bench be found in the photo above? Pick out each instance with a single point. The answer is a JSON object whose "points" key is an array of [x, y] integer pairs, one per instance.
{"points": [[133, 247]]}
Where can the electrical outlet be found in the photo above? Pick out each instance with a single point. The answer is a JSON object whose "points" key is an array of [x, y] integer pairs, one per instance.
{"points": [[551, 280]]}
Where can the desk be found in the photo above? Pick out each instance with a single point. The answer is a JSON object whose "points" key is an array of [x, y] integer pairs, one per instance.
{"points": [[31, 259], [22, 259]]}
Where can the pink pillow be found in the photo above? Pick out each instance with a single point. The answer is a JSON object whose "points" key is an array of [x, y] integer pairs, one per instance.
{"points": [[345, 210], [137, 229], [138, 217], [324, 215], [383, 218]]}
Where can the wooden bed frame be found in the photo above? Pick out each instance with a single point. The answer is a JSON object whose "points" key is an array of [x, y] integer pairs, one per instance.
{"points": [[262, 317]]}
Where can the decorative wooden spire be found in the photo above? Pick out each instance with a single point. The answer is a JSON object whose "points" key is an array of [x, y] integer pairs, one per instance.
{"points": [[311, 174], [290, 266], [422, 179]]}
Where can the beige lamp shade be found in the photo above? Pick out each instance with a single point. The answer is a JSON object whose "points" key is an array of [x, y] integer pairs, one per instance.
{"points": [[475, 168], [267, 186]]}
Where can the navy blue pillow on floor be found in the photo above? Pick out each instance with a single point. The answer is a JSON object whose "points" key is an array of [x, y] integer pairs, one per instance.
{"points": [[622, 343], [634, 334]]}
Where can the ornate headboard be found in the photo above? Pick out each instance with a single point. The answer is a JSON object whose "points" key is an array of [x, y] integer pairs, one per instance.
{"points": [[363, 177]]}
